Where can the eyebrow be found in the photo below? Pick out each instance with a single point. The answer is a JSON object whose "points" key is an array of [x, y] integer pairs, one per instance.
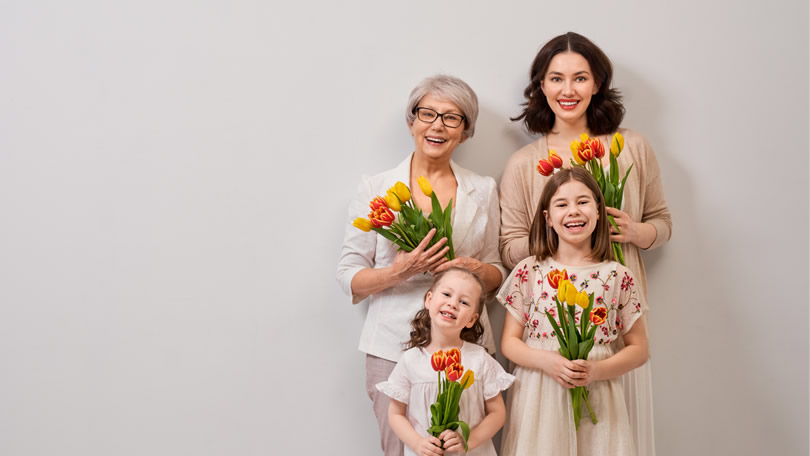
{"points": [[578, 197], [575, 74]]}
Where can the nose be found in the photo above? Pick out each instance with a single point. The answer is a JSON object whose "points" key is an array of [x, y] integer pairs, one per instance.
{"points": [[568, 87]]}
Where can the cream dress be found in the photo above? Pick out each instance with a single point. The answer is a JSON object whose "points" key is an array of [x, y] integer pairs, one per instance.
{"points": [[539, 414], [414, 382]]}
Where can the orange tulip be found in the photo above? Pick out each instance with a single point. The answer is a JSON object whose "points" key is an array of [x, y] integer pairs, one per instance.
{"points": [[583, 154], [377, 203], [382, 216], [555, 276], [454, 372], [598, 316], [597, 147], [555, 159], [453, 356], [545, 167], [438, 361]]}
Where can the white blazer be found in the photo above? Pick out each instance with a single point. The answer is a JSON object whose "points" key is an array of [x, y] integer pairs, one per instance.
{"points": [[476, 224]]}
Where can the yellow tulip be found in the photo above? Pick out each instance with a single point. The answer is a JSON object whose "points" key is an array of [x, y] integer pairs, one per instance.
{"points": [[402, 192], [571, 295], [583, 300], [617, 144], [562, 286], [424, 185], [583, 137], [362, 224], [392, 201], [467, 379]]}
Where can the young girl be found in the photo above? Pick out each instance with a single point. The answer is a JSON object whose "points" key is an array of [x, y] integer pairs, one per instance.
{"points": [[449, 320], [570, 237]]}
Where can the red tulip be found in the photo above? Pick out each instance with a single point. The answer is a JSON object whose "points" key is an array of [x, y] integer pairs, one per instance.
{"points": [[454, 372], [598, 316], [555, 159], [453, 356], [545, 167], [597, 147], [381, 217], [555, 276], [438, 361], [583, 154]]}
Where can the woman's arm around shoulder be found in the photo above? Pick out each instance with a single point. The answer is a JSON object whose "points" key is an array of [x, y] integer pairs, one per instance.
{"points": [[516, 205]]}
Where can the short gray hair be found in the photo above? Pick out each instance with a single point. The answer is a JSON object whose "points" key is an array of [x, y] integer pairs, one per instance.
{"points": [[449, 88]]}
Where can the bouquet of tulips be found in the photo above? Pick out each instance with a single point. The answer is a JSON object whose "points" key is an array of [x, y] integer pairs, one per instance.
{"points": [[444, 412], [576, 340], [411, 226], [588, 153]]}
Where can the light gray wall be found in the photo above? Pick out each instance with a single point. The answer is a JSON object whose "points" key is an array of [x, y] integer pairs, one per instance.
{"points": [[174, 177]]}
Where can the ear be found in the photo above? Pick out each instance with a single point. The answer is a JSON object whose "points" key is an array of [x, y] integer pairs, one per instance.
{"points": [[596, 88], [472, 321], [463, 138], [543, 85], [546, 216], [427, 300]]}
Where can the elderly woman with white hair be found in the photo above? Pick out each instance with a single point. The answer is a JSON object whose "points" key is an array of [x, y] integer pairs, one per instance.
{"points": [[441, 114]]}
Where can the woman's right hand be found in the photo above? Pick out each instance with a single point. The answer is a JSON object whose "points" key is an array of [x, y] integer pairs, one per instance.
{"points": [[421, 258], [562, 370]]}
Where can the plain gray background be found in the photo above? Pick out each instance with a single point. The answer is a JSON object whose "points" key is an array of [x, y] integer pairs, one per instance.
{"points": [[174, 177]]}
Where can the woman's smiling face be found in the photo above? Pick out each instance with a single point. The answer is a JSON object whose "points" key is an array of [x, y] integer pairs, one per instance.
{"points": [[568, 86], [435, 140]]}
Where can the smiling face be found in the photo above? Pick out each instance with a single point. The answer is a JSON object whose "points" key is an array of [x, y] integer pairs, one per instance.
{"points": [[453, 303], [573, 214], [435, 140], [568, 86]]}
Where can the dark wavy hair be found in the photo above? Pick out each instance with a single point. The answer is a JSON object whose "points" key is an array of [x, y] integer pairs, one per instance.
{"points": [[543, 240], [420, 325], [605, 112]]}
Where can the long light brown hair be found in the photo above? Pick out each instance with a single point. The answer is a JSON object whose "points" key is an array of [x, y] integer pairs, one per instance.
{"points": [[420, 325], [543, 240]]}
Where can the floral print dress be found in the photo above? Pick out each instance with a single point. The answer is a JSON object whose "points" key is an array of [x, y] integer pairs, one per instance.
{"points": [[539, 415]]}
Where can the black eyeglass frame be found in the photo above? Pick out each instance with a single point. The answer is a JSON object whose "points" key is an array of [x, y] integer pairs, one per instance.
{"points": [[439, 115]]}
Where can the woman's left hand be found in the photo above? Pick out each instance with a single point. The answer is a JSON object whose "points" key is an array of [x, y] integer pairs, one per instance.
{"points": [[591, 371], [640, 234], [453, 441], [470, 264]]}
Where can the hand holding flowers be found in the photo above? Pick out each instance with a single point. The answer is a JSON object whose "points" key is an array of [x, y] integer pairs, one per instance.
{"points": [[410, 227]]}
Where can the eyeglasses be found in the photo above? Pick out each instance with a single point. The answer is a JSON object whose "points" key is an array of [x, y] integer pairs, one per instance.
{"points": [[449, 119]]}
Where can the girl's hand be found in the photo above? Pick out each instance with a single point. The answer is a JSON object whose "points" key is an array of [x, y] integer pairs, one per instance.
{"points": [[430, 446], [590, 369], [453, 441], [420, 259], [565, 372]]}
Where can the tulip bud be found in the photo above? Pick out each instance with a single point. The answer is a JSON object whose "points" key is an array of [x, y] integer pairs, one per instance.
{"points": [[562, 289], [402, 191], [424, 184], [453, 356], [392, 201], [362, 224], [571, 294], [583, 300], [555, 277], [377, 203], [597, 147], [467, 379], [545, 167], [381, 217], [555, 159], [454, 372], [438, 361], [617, 144]]}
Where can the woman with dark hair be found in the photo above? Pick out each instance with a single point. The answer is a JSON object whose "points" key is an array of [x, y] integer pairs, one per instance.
{"points": [[440, 114], [569, 94]]}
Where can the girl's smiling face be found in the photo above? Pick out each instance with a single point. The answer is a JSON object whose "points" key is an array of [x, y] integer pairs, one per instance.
{"points": [[568, 86], [573, 214], [453, 303]]}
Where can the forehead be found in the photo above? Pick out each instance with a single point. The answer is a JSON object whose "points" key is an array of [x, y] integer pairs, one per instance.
{"points": [[568, 62], [572, 189], [458, 280], [438, 103]]}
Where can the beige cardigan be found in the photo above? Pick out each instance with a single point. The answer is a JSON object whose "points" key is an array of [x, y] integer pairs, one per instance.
{"points": [[521, 186]]}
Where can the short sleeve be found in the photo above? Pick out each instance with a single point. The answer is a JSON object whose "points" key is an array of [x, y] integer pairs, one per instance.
{"points": [[494, 378], [630, 303], [398, 386], [515, 293]]}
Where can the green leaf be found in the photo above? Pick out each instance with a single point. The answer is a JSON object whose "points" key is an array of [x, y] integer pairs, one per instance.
{"points": [[584, 319], [573, 343], [560, 336], [620, 196], [610, 194], [436, 207]]}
